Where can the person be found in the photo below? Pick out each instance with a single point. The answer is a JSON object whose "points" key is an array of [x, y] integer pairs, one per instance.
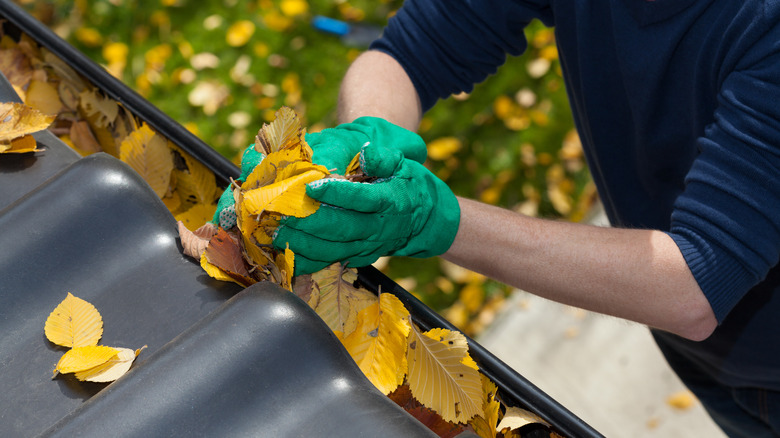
{"points": [[676, 105]]}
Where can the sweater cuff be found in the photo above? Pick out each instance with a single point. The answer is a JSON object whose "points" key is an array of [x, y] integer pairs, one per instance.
{"points": [[721, 283]]}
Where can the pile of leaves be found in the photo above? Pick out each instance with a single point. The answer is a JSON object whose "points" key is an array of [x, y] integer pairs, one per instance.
{"points": [[78, 326], [428, 373], [87, 120]]}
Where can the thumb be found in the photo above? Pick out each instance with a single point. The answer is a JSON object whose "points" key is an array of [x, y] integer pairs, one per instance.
{"points": [[379, 160]]}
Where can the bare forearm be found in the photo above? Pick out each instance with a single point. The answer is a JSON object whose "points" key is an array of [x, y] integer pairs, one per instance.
{"points": [[638, 275], [376, 85]]}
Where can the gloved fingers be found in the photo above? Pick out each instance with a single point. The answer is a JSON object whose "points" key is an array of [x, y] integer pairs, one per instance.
{"points": [[363, 197], [316, 248], [226, 202], [385, 133], [304, 265], [334, 148], [249, 160], [379, 160], [340, 225]]}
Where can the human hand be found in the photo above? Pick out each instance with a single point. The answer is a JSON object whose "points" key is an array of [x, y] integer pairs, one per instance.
{"points": [[225, 216], [335, 147], [407, 211]]}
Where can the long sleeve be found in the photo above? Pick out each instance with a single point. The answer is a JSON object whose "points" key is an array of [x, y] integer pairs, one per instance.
{"points": [[447, 46]]}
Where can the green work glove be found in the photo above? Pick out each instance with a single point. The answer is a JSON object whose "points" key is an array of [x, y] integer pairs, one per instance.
{"points": [[408, 211], [225, 216], [335, 148]]}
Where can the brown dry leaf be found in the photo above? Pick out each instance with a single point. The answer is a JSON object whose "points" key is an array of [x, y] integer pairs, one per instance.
{"points": [[224, 251], [18, 120], [340, 301], [74, 323], [378, 343], [442, 374], [195, 242], [15, 65], [84, 140], [515, 418], [148, 154], [402, 396]]}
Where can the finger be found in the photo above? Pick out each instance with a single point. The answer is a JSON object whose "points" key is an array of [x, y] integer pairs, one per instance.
{"points": [[305, 266], [316, 248], [379, 160], [336, 224], [363, 197], [341, 225], [385, 133]]}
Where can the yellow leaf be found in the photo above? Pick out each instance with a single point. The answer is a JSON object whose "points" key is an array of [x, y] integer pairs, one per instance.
{"points": [[284, 132], [485, 425], [112, 369], [297, 168], [83, 358], [287, 197], [44, 97], [20, 145], [196, 184], [148, 154], [197, 215], [18, 120], [74, 323], [285, 261], [340, 301], [378, 343], [438, 376], [354, 165], [515, 418]]}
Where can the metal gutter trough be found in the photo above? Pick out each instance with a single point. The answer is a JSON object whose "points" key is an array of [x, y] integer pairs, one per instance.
{"points": [[219, 360]]}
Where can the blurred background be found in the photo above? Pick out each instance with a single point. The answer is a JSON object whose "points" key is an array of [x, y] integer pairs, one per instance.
{"points": [[223, 67]]}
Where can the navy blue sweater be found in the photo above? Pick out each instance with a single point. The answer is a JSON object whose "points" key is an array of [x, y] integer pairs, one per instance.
{"points": [[677, 103]]}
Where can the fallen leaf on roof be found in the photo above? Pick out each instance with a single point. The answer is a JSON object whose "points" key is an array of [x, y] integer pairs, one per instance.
{"points": [[74, 323]]}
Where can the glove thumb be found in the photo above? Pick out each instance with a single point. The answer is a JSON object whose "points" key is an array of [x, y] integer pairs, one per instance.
{"points": [[379, 160]]}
